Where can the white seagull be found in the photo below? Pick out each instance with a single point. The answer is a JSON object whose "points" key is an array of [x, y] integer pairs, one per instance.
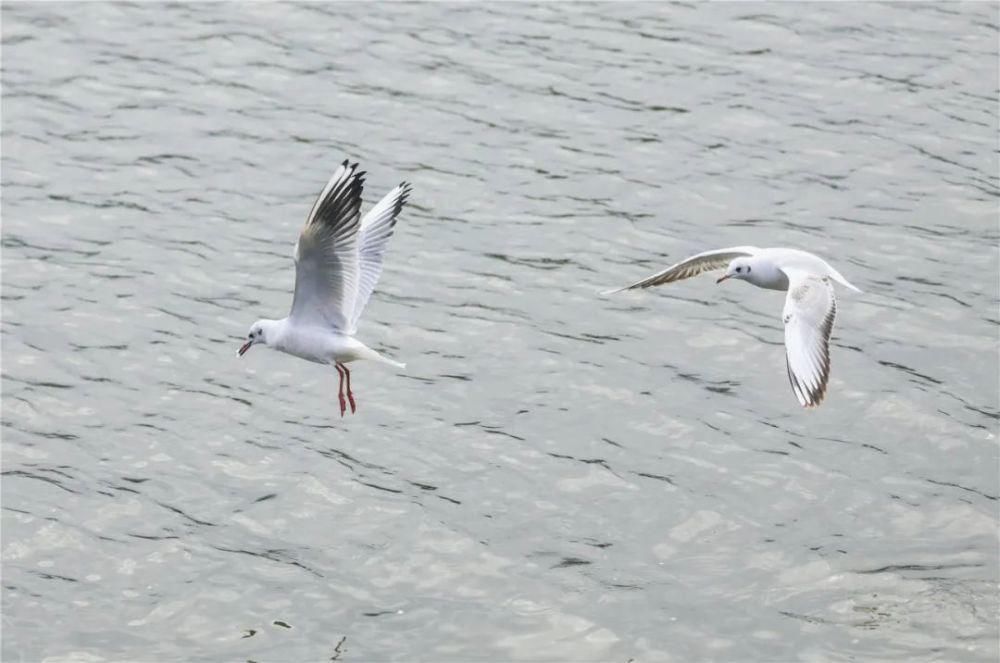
{"points": [[810, 306], [338, 259]]}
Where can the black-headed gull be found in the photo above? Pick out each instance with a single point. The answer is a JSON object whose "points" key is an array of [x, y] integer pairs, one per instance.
{"points": [[338, 259], [810, 306]]}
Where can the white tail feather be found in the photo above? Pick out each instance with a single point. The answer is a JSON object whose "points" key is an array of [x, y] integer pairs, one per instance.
{"points": [[384, 360]]}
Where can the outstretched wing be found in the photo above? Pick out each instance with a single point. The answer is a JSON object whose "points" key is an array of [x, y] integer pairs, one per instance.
{"points": [[326, 255], [696, 264], [810, 309], [376, 229]]}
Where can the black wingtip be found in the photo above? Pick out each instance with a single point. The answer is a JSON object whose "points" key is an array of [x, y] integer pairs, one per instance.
{"points": [[402, 199]]}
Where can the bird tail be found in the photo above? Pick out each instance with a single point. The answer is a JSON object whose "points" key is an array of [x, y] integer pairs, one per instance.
{"points": [[368, 353], [842, 281], [852, 287], [392, 362]]}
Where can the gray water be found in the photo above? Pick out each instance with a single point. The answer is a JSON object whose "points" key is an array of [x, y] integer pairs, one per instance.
{"points": [[557, 476]]}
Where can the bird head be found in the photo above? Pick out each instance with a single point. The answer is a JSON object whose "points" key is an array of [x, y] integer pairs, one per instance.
{"points": [[739, 268], [256, 335]]}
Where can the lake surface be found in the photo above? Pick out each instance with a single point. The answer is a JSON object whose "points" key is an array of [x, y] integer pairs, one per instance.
{"points": [[557, 476]]}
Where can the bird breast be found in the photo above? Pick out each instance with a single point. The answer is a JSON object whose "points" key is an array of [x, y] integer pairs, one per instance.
{"points": [[323, 346], [766, 275]]}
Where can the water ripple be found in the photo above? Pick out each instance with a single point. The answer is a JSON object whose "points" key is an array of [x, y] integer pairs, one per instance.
{"points": [[559, 475]]}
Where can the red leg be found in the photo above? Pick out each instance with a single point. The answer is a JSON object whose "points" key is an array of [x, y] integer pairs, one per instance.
{"points": [[340, 391], [350, 394]]}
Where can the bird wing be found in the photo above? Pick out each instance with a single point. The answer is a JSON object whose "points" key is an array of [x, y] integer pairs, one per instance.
{"points": [[326, 254], [696, 264], [803, 260], [376, 229], [810, 309]]}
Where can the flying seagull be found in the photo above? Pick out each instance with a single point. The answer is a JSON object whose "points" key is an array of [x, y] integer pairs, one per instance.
{"points": [[338, 260], [810, 305]]}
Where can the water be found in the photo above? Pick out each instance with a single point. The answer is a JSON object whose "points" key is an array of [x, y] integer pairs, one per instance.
{"points": [[557, 476]]}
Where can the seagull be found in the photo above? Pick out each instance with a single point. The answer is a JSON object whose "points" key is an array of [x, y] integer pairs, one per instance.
{"points": [[810, 305], [338, 260]]}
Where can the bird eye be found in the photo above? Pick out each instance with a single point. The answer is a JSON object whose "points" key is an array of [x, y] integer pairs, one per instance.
{"points": [[739, 269], [748, 269]]}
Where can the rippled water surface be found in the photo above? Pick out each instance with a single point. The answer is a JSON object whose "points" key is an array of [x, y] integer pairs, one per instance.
{"points": [[557, 475]]}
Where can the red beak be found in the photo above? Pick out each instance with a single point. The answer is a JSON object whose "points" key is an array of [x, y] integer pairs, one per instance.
{"points": [[722, 278], [245, 347]]}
